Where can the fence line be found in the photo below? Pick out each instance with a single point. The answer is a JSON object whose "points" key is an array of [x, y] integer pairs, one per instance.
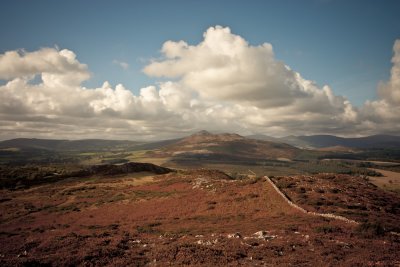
{"points": [[325, 215]]}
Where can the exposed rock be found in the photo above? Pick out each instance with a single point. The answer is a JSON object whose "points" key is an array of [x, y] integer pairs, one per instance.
{"points": [[264, 235], [235, 235]]}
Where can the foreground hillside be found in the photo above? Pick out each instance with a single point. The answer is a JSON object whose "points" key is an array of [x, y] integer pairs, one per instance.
{"points": [[198, 217]]}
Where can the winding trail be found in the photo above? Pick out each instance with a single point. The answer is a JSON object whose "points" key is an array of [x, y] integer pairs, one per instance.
{"points": [[293, 205]]}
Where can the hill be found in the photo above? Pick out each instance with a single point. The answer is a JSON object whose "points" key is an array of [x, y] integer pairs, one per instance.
{"points": [[67, 145], [374, 141], [226, 146], [321, 141]]}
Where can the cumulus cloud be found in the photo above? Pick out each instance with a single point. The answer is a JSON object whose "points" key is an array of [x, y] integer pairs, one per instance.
{"points": [[384, 113], [59, 105], [56, 67], [122, 64], [390, 91], [221, 84], [225, 68]]}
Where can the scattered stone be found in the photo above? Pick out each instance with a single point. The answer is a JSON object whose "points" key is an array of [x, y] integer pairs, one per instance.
{"points": [[344, 244], [264, 235], [235, 235], [23, 254], [207, 242]]}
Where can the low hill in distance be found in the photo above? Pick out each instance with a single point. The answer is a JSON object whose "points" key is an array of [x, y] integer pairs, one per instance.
{"points": [[322, 141], [309, 142], [202, 146], [226, 146], [373, 141], [67, 145]]}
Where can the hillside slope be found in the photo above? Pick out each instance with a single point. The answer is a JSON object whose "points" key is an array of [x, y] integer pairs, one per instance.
{"points": [[228, 146], [67, 145], [322, 141], [186, 218]]}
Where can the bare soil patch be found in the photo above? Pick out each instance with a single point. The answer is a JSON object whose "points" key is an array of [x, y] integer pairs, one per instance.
{"points": [[389, 181]]}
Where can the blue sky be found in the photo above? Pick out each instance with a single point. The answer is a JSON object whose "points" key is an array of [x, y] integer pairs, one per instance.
{"points": [[251, 67], [345, 44]]}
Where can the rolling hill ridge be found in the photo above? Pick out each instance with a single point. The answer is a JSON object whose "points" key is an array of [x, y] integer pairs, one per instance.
{"points": [[227, 146], [321, 141]]}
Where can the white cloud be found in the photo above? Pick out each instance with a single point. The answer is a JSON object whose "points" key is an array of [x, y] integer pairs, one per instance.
{"points": [[390, 91], [122, 64], [56, 67], [384, 113], [225, 69], [221, 84]]}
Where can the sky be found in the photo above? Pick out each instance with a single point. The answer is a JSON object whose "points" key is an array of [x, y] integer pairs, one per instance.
{"points": [[145, 70]]}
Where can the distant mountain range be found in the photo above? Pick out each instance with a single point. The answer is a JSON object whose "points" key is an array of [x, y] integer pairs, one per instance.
{"points": [[67, 145], [204, 141], [324, 141]]}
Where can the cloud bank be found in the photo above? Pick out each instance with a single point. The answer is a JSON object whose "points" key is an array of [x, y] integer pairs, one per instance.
{"points": [[222, 84]]}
